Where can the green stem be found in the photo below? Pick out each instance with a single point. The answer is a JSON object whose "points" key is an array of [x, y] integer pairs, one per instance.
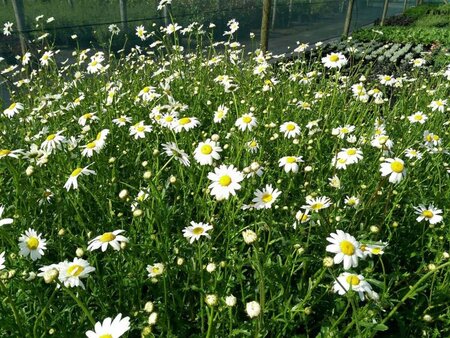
{"points": [[199, 253], [79, 303], [210, 322], [13, 308], [44, 310], [412, 290]]}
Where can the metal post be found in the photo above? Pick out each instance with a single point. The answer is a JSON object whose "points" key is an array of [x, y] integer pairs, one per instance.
{"points": [[20, 21], [265, 25], [385, 9], [348, 18], [123, 15]]}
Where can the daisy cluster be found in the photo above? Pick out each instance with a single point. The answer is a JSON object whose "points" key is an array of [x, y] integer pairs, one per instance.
{"points": [[196, 188]]}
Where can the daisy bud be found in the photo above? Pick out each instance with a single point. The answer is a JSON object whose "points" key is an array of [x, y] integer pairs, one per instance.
{"points": [[144, 163], [155, 152], [395, 224], [172, 179], [111, 160], [253, 309], [215, 137], [61, 232], [50, 275], [148, 307], [249, 236], [180, 261], [152, 318], [427, 318], [30, 170], [123, 245], [79, 252], [226, 146], [123, 194], [230, 300], [445, 255], [211, 267], [374, 229], [147, 175], [51, 331], [328, 262], [307, 311], [211, 300], [308, 168], [137, 213], [223, 264], [146, 331], [431, 267]]}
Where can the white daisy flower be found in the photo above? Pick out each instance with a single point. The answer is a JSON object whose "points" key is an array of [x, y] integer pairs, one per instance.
{"points": [[352, 155], [351, 201], [110, 328], [72, 182], [186, 123], [317, 203], [225, 181], [343, 132], [87, 117], [71, 273], [430, 214], [394, 168], [265, 198], [2, 260], [438, 105], [334, 60], [348, 281], [52, 142], [220, 113], [32, 244], [207, 151], [155, 270], [196, 230], [13, 109], [346, 248], [108, 238], [139, 130], [122, 120], [171, 149], [290, 163], [246, 121], [4, 221], [418, 117], [302, 216], [290, 129]]}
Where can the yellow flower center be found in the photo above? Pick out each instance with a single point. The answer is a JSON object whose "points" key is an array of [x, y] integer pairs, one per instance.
{"points": [[351, 151], [428, 138], [76, 172], [106, 336], [291, 159], [90, 145], [107, 237], [418, 117], [156, 270], [225, 181], [427, 213], [206, 149], [267, 198], [317, 206], [220, 114], [397, 167], [376, 251], [75, 270], [334, 58], [87, 116], [342, 160], [347, 248], [168, 118], [51, 137], [247, 119], [435, 138], [387, 78], [122, 119], [290, 127], [353, 280], [12, 106], [253, 144], [4, 152], [197, 230], [140, 129], [32, 243], [184, 120], [146, 89], [344, 130], [363, 247], [94, 63]]}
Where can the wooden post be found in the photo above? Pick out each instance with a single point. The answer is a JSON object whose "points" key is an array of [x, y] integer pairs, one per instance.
{"points": [[405, 5], [385, 9], [348, 18], [123, 15], [265, 25], [274, 12], [20, 21]]}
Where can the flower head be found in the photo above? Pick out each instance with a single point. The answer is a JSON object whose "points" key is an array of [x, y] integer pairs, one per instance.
{"points": [[110, 328], [346, 248], [32, 244], [197, 230], [114, 239]]}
